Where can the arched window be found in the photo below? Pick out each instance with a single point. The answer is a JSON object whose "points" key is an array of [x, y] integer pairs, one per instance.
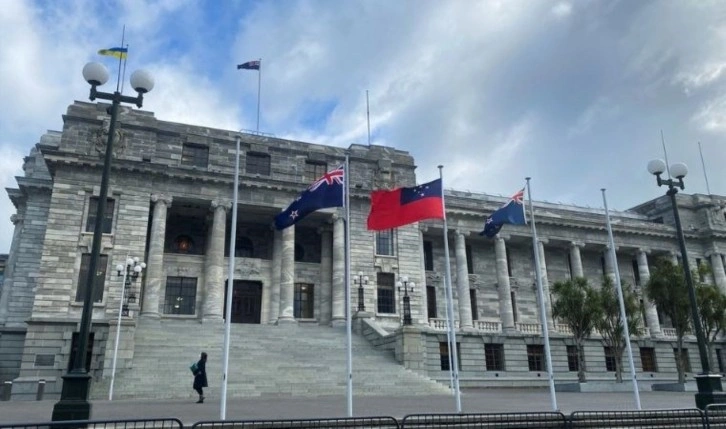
{"points": [[183, 244], [244, 248]]}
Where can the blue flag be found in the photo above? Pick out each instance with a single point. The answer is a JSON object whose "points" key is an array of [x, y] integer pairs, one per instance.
{"points": [[324, 192], [512, 212]]}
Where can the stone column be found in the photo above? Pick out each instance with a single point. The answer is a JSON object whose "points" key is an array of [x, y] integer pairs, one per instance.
{"points": [[719, 276], [609, 267], [422, 287], [338, 292], [504, 289], [545, 283], [275, 267], [576, 259], [462, 281], [155, 267], [267, 290], [326, 277], [17, 220], [651, 313], [287, 276], [214, 265], [673, 257]]}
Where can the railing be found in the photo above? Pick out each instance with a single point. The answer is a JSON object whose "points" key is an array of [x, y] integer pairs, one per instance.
{"points": [[547, 420], [668, 332], [166, 423], [441, 325], [529, 328], [325, 423], [563, 329], [689, 418], [487, 326]]}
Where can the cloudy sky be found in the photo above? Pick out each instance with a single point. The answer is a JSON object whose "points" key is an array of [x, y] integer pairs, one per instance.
{"points": [[572, 93]]}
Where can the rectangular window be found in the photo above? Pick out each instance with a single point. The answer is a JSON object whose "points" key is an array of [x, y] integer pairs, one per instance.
{"points": [[494, 356], [257, 163], [314, 170], [509, 263], [469, 260], [444, 356], [609, 358], [99, 280], [386, 293], [684, 358], [384, 243], [569, 266], [474, 309], [181, 295], [107, 215], [515, 313], [573, 360], [431, 301], [195, 155], [428, 255], [535, 357], [303, 306], [636, 273], [647, 359]]}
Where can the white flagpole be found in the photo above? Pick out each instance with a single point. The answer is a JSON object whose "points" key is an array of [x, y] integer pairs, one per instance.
{"points": [[230, 288], [259, 87], [118, 329], [454, 366], [703, 165], [368, 116], [623, 315], [349, 344], [540, 296]]}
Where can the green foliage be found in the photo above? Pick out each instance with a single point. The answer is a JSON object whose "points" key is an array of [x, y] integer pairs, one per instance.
{"points": [[711, 312]]}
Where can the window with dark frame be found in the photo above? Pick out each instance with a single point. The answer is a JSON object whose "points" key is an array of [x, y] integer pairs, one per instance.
{"points": [[304, 304], [444, 355], [386, 293], [535, 357], [515, 313], [573, 360], [428, 255], [257, 163], [684, 358], [431, 301], [180, 296], [314, 170], [195, 155], [384, 243], [469, 260], [494, 357], [244, 248], [609, 358], [636, 273], [107, 215], [509, 262], [474, 309], [647, 359], [99, 280]]}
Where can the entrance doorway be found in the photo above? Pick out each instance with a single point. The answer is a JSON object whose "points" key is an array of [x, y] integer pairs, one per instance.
{"points": [[246, 301]]}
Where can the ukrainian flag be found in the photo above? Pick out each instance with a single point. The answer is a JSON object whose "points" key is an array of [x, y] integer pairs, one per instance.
{"points": [[119, 53]]}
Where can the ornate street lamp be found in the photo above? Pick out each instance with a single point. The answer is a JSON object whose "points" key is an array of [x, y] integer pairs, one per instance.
{"points": [[73, 404], [709, 385], [130, 273], [360, 281], [406, 285]]}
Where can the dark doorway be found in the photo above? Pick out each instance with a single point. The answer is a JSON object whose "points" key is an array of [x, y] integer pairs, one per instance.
{"points": [[246, 301]]}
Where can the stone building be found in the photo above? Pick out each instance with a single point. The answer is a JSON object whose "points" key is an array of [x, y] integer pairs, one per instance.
{"points": [[169, 204]]}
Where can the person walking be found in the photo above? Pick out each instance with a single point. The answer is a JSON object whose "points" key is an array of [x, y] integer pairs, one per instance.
{"points": [[200, 377]]}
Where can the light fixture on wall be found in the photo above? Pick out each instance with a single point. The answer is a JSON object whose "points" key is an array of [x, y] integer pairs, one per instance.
{"points": [[406, 285], [361, 280]]}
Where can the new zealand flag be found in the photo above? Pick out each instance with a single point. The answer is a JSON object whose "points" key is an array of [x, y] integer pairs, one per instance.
{"points": [[324, 192], [512, 212]]}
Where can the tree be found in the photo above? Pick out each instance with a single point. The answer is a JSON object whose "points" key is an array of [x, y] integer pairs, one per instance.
{"points": [[711, 312], [576, 305], [610, 323], [667, 289]]}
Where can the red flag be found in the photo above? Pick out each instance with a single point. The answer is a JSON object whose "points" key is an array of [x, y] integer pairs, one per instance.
{"points": [[402, 206]]}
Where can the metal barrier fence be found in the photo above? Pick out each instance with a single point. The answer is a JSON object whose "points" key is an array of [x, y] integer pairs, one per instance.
{"points": [[547, 420], [331, 423], [715, 416], [685, 419], [166, 423]]}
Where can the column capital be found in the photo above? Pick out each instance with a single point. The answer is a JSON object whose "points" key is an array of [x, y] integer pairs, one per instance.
{"points": [[543, 241], [423, 228], [221, 203], [16, 218], [502, 237], [645, 250], [166, 199], [459, 231], [607, 247], [579, 244], [712, 252]]}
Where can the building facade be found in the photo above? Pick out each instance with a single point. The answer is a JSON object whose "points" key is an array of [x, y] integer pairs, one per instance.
{"points": [[169, 204]]}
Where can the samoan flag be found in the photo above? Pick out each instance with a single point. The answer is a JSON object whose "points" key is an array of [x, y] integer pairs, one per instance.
{"points": [[249, 65], [323, 193], [512, 212]]}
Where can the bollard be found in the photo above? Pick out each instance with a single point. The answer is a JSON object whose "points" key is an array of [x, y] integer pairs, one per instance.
{"points": [[41, 389], [5, 394]]}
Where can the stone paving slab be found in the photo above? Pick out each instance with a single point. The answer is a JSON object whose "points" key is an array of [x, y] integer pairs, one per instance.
{"points": [[473, 401]]}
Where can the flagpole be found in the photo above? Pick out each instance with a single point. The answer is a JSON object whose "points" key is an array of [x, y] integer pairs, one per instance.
{"points": [[703, 165], [540, 296], [230, 288], [368, 118], [259, 87], [348, 334], [621, 301], [120, 59], [450, 305]]}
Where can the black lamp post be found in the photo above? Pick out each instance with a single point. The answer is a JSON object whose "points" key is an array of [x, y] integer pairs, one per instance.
{"points": [[73, 404], [360, 281], [405, 285], [709, 385]]}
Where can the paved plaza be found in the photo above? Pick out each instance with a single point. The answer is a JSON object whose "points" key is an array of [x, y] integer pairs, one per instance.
{"points": [[473, 401]]}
